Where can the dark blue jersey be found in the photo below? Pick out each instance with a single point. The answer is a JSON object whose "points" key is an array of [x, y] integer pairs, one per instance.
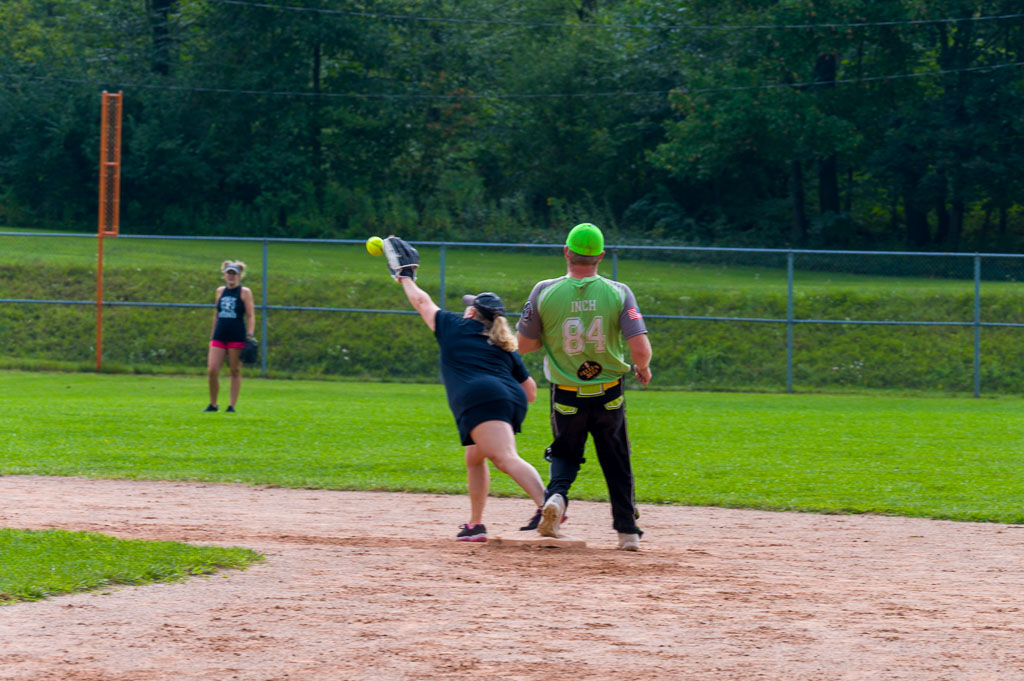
{"points": [[474, 371]]}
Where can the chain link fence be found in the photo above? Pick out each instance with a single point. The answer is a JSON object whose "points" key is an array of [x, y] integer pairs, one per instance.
{"points": [[719, 318]]}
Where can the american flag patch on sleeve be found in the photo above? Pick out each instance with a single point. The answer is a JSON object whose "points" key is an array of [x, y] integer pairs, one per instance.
{"points": [[634, 313]]}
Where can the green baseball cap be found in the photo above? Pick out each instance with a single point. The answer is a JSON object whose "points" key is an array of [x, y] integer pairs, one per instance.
{"points": [[585, 239]]}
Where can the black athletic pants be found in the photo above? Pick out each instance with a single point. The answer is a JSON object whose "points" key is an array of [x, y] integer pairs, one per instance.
{"points": [[573, 418]]}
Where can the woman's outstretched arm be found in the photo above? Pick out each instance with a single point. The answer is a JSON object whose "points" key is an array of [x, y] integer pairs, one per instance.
{"points": [[420, 300]]}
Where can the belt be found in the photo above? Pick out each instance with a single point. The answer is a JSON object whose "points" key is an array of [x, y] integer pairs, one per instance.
{"points": [[592, 389]]}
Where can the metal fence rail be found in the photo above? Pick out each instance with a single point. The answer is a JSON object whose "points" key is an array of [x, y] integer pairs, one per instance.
{"points": [[790, 321]]}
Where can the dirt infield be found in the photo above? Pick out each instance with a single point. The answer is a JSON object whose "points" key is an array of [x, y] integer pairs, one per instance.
{"points": [[370, 586]]}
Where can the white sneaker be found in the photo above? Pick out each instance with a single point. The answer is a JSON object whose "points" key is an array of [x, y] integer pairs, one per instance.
{"points": [[629, 542], [551, 516]]}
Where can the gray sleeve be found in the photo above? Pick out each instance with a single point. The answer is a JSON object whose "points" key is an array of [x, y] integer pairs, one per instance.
{"points": [[529, 323], [630, 320]]}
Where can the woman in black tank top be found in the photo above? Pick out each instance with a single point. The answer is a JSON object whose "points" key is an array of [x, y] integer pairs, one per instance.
{"points": [[233, 322]]}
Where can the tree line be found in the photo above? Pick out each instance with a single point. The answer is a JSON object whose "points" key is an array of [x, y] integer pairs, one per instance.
{"points": [[772, 123]]}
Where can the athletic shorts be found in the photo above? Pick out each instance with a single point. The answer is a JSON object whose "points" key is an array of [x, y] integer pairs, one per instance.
{"points": [[497, 410], [234, 345]]}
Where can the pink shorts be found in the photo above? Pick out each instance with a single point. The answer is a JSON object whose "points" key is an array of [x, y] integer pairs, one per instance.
{"points": [[234, 345]]}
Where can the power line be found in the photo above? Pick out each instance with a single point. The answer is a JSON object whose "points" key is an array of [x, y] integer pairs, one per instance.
{"points": [[849, 81], [646, 27], [567, 95]]}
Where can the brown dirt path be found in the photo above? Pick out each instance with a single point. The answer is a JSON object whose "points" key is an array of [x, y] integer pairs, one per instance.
{"points": [[370, 586]]}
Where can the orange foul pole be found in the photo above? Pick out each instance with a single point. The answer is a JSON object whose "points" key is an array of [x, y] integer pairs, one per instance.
{"points": [[110, 198]]}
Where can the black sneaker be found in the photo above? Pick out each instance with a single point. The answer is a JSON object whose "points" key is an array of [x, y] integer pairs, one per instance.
{"points": [[469, 532], [211, 407], [535, 521], [229, 410]]}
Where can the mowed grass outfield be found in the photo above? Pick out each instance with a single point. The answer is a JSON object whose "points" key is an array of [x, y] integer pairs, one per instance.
{"points": [[945, 458], [930, 457], [950, 458]]}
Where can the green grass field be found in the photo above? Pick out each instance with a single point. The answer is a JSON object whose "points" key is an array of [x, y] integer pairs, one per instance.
{"points": [[955, 459], [516, 268], [881, 453], [937, 458], [689, 354], [40, 564]]}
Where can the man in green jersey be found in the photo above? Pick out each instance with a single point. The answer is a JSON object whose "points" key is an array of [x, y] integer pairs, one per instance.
{"points": [[584, 323]]}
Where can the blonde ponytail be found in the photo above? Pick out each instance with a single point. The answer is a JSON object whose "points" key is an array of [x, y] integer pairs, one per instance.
{"points": [[500, 335]]}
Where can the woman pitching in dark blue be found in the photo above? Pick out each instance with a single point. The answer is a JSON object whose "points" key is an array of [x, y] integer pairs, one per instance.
{"points": [[488, 388], [233, 322]]}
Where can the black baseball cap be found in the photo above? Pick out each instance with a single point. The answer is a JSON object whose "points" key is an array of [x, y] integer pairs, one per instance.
{"points": [[488, 304]]}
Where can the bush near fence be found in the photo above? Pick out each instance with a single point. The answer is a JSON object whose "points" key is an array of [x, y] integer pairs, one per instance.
{"points": [[689, 354]]}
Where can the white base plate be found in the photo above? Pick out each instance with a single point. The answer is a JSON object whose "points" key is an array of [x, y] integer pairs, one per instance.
{"points": [[534, 539]]}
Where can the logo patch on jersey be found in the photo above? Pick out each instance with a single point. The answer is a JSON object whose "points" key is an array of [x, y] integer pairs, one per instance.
{"points": [[589, 370], [527, 311], [634, 313], [227, 308]]}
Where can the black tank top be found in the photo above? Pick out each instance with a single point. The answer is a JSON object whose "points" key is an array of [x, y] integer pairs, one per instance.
{"points": [[230, 316]]}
